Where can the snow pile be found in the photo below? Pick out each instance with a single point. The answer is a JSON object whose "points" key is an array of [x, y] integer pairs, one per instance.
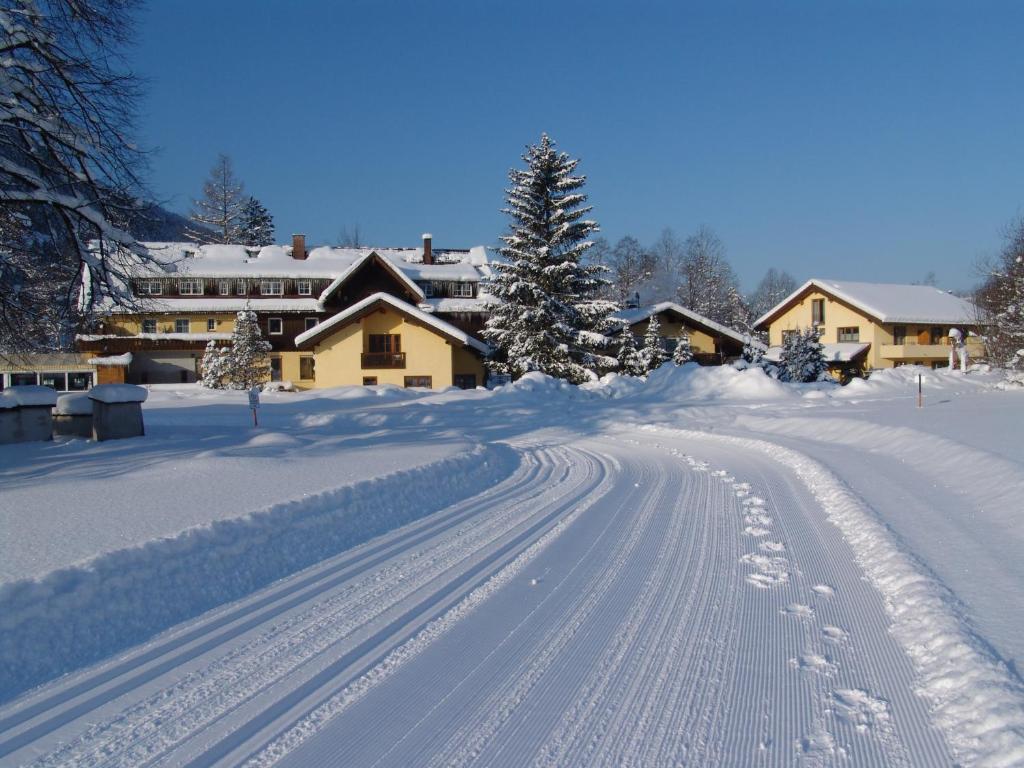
{"points": [[536, 382], [32, 395], [118, 393], [79, 614], [692, 382], [75, 404], [903, 381]]}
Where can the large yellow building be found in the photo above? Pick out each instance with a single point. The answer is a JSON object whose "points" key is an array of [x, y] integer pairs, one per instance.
{"points": [[333, 316], [874, 325]]}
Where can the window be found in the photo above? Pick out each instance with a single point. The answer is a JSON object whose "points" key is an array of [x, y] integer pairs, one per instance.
{"points": [[936, 334], [79, 382], [312, 322], [304, 287], [190, 287], [462, 290], [369, 381], [150, 288], [899, 335], [465, 380], [21, 379], [275, 369], [307, 368], [787, 334], [428, 289], [241, 289], [382, 342], [224, 287], [817, 311], [181, 326], [149, 326], [58, 381], [275, 326], [848, 334], [419, 381], [271, 288], [211, 325]]}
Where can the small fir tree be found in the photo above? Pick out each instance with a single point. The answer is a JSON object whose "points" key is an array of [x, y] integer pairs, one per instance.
{"points": [[753, 353], [683, 353], [652, 354], [256, 225], [248, 365], [550, 316], [803, 357], [216, 362], [629, 358]]}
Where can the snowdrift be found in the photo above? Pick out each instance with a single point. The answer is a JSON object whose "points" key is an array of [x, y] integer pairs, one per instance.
{"points": [[83, 613]]}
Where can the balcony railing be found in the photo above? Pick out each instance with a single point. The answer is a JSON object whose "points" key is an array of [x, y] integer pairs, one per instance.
{"points": [[915, 351], [383, 359]]}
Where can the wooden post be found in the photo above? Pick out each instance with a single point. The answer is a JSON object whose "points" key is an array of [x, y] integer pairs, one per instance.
{"points": [[920, 396]]}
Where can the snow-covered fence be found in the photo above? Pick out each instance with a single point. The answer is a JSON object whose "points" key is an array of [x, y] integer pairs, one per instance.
{"points": [[117, 411], [26, 414], [83, 613]]}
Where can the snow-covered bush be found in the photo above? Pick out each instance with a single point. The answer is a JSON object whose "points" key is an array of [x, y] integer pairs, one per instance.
{"points": [[803, 358]]}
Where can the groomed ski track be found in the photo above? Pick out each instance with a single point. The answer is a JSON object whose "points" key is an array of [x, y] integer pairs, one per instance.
{"points": [[625, 599]]}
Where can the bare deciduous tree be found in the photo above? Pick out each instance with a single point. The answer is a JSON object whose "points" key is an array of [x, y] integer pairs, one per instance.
{"points": [[218, 214], [1000, 301]]}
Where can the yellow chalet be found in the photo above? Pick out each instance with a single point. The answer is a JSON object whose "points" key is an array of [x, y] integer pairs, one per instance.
{"points": [[333, 316], [874, 325], [711, 342]]}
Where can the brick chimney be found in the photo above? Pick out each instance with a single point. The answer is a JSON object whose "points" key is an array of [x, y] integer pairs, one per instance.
{"points": [[428, 252], [299, 247]]}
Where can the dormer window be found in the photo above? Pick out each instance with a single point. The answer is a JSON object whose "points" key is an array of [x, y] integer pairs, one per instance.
{"points": [[271, 288], [224, 287], [191, 287], [428, 289], [462, 290], [304, 287], [241, 289], [150, 288]]}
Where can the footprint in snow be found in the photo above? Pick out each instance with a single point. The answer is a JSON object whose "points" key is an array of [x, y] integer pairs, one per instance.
{"points": [[860, 708], [798, 610], [813, 663], [823, 589], [757, 519], [753, 501], [753, 530], [834, 634], [772, 546]]}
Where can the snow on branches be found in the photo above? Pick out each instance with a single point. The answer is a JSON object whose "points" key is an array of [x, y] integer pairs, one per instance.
{"points": [[803, 357], [243, 364], [550, 317]]}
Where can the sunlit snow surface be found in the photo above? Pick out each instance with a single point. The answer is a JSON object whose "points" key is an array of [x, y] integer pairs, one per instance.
{"points": [[706, 568]]}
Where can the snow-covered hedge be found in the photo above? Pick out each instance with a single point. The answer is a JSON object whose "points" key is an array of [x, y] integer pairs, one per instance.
{"points": [[78, 615]]}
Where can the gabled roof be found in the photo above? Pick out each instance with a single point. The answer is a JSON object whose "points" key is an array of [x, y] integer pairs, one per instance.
{"points": [[376, 258], [370, 303], [888, 302], [638, 315]]}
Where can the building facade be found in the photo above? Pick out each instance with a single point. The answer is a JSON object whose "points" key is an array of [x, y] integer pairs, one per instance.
{"points": [[711, 342]]}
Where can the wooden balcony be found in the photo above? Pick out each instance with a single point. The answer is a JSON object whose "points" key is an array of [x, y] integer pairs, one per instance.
{"points": [[912, 350], [383, 359]]}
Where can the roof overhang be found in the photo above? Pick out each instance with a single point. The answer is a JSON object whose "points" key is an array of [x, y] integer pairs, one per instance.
{"points": [[358, 264]]}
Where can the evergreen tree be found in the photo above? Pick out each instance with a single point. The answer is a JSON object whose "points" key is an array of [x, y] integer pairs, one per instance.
{"points": [[683, 353], [652, 354], [550, 317], [248, 364], [216, 363], [802, 358], [752, 352], [255, 225], [629, 358], [218, 214]]}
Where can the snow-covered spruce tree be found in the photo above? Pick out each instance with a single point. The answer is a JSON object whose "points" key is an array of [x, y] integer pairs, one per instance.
{"points": [[550, 317], [652, 354], [752, 352], [247, 363], [255, 225], [803, 357], [216, 363], [628, 357], [683, 353], [218, 214]]}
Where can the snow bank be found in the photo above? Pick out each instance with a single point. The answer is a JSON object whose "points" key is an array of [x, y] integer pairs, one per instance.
{"points": [[76, 404], [31, 395], [903, 381], [693, 382], [975, 698], [80, 614], [119, 393]]}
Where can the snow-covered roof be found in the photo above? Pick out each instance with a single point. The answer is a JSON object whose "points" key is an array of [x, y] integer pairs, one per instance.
{"points": [[356, 309], [639, 314], [118, 393], [889, 302], [843, 352], [392, 268], [29, 395], [210, 336], [121, 361]]}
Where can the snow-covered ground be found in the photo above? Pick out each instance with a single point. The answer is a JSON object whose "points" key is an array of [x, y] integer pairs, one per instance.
{"points": [[707, 568]]}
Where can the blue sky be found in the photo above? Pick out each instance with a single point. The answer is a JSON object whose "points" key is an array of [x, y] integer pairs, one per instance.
{"points": [[869, 140]]}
